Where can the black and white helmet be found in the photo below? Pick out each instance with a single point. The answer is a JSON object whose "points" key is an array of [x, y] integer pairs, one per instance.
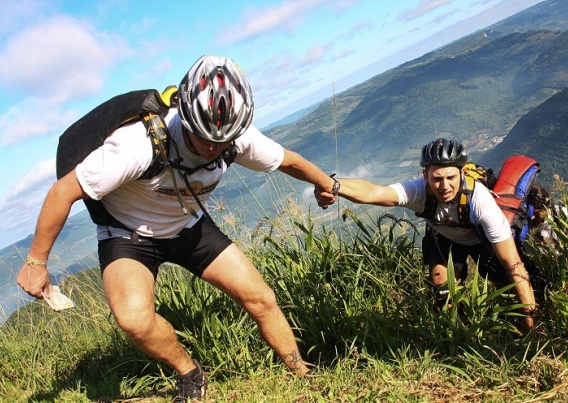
{"points": [[443, 152], [215, 99]]}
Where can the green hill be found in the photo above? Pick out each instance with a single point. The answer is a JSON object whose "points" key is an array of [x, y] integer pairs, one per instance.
{"points": [[542, 134], [476, 96]]}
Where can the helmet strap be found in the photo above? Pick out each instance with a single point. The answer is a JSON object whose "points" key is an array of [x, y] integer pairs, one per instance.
{"points": [[187, 137]]}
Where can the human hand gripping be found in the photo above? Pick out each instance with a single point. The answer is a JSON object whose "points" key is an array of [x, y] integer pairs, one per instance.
{"points": [[34, 278], [326, 198]]}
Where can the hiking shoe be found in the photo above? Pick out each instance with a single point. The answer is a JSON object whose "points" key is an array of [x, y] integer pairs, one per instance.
{"points": [[191, 386]]}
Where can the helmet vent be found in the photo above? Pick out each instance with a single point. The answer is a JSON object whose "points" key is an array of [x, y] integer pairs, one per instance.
{"points": [[221, 111], [211, 98], [220, 79], [443, 152]]}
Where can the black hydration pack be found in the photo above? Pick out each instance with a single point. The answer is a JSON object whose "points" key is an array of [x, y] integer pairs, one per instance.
{"points": [[90, 132]]}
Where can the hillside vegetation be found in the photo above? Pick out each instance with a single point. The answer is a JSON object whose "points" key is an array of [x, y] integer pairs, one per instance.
{"points": [[360, 302], [542, 134]]}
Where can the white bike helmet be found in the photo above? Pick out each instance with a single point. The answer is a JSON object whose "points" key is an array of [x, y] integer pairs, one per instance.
{"points": [[215, 99]]}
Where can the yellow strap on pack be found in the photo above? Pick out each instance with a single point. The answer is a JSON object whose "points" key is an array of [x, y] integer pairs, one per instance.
{"points": [[466, 191], [475, 171], [169, 96]]}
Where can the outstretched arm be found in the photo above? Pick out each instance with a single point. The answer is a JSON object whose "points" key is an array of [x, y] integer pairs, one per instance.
{"points": [[362, 192], [300, 168], [33, 276]]}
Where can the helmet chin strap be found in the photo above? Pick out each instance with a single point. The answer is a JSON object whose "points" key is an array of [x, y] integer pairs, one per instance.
{"points": [[188, 143]]}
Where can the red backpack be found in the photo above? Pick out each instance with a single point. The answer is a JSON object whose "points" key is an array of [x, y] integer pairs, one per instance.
{"points": [[511, 188]]}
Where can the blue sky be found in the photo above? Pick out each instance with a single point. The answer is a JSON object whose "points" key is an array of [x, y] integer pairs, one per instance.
{"points": [[61, 58]]}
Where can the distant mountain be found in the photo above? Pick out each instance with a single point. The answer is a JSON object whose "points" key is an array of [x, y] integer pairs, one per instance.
{"points": [[292, 117], [501, 91], [474, 89], [541, 134]]}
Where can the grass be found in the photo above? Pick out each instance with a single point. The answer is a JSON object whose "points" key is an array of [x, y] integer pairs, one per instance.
{"points": [[361, 306]]}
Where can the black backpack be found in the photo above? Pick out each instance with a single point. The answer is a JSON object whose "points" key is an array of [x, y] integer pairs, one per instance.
{"points": [[91, 131]]}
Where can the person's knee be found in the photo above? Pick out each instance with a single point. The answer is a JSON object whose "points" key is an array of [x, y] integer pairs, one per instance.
{"points": [[261, 304], [439, 274], [134, 317]]}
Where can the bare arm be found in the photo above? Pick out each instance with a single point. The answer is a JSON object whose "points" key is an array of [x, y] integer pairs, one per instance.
{"points": [[34, 278], [507, 253], [360, 191], [300, 168], [364, 192]]}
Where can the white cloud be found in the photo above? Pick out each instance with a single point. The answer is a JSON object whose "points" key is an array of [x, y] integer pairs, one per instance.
{"points": [[19, 207], [363, 171], [43, 173], [308, 194], [47, 65], [60, 58], [285, 16], [156, 71], [343, 54], [31, 118], [425, 7], [361, 27], [15, 13], [341, 5], [315, 55], [21, 204]]}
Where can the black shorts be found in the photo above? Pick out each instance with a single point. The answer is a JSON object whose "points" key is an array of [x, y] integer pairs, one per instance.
{"points": [[194, 249], [436, 250]]}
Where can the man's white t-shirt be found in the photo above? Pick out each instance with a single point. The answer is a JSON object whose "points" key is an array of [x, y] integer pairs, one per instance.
{"points": [[151, 206], [484, 211]]}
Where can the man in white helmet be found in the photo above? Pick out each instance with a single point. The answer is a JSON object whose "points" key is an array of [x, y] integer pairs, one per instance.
{"points": [[157, 220]]}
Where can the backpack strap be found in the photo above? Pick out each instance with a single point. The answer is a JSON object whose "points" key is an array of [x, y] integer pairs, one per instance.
{"points": [[430, 205], [229, 154], [158, 132], [464, 198]]}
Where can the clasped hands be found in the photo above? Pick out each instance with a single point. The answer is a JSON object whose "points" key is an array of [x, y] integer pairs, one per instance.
{"points": [[324, 198]]}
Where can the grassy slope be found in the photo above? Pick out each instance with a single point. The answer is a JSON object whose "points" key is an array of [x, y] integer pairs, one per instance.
{"points": [[361, 305]]}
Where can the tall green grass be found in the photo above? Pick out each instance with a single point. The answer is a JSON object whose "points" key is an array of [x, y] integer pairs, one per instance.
{"points": [[359, 300]]}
